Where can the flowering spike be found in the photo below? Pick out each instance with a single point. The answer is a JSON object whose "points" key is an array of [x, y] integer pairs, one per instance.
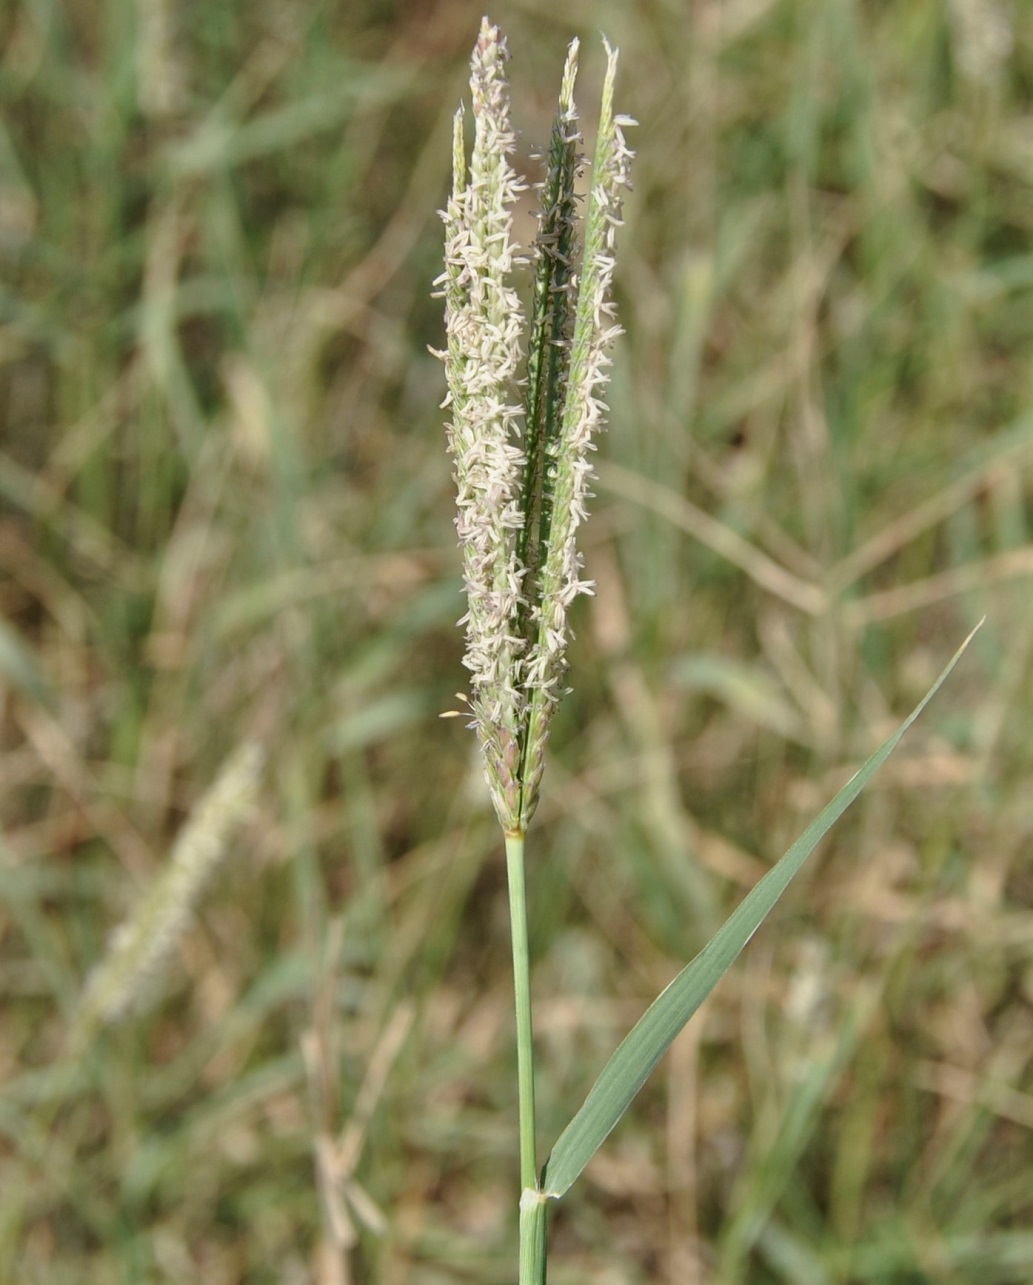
{"points": [[126, 977], [568, 465], [520, 442], [555, 249]]}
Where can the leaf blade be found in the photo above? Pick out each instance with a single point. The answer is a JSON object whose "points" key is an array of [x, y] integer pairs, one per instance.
{"points": [[643, 1047]]}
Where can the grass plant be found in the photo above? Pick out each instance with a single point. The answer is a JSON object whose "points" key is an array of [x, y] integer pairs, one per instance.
{"points": [[522, 473], [226, 517]]}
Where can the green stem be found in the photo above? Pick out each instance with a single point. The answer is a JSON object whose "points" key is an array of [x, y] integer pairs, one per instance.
{"points": [[532, 1230], [533, 1238]]}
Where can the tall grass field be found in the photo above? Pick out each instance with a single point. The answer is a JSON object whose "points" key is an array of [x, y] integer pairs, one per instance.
{"points": [[256, 988]]}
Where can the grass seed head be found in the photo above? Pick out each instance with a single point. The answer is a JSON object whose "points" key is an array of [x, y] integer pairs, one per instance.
{"points": [[126, 978], [520, 437]]}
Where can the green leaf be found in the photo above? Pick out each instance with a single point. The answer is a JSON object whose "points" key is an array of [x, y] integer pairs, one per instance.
{"points": [[651, 1037]]}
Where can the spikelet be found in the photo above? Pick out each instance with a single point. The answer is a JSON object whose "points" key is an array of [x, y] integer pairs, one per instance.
{"points": [[520, 438], [125, 979]]}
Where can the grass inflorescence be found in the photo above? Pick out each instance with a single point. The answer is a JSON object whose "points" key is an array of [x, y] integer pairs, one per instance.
{"points": [[521, 435]]}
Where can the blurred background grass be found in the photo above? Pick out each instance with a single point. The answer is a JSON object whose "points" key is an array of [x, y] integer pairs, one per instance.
{"points": [[226, 514]]}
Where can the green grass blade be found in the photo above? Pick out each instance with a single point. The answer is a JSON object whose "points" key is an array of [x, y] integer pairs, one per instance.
{"points": [[651, 1037]]}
